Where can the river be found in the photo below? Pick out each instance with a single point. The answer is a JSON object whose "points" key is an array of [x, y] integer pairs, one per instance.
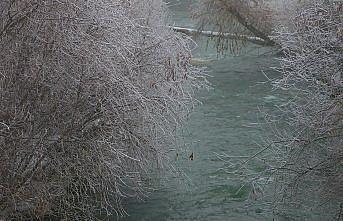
{"points": [[226, 122]]}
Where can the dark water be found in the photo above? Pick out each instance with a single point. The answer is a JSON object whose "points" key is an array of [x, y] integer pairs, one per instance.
{"points": [[226, 122]]}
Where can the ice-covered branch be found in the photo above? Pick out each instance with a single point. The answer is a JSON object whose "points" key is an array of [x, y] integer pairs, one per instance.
{"points": [[191, 31]]}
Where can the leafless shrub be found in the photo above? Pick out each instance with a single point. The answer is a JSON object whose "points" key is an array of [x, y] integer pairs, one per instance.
{"points": [[307, 156], [285, 10], [92, 93], [303, 156]]}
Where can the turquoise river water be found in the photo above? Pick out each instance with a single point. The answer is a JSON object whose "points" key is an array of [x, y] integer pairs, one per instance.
{"points": [[224, 123]]}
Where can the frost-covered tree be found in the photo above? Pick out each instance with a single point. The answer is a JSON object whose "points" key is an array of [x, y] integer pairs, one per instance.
{"points": [[308, 165], [91, 95], [304, 155], [251, 17], [238, 21]]}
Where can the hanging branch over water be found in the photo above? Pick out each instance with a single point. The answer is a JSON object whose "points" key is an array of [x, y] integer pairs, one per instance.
{"points": [[250, 20], [234, 10]]}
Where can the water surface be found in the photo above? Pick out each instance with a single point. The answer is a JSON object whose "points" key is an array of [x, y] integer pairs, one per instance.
{"points": [[226, 122]]}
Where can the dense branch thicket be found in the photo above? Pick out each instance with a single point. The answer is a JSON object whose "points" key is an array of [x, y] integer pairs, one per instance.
{"points": [[254, 18], [91, 93], [307, 156], [304, 155]]}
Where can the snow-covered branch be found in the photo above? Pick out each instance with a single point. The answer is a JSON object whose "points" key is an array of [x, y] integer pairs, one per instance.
{"points": [[191, 31]]}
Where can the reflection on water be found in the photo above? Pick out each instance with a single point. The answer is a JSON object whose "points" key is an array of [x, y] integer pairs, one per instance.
{"points": [[225, 122]]}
